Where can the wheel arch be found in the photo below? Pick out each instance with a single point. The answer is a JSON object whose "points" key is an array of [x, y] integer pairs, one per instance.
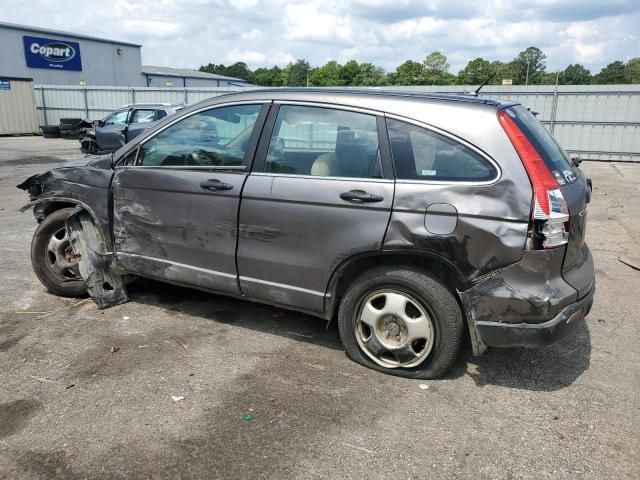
{"points": [[345, 273], [44, 207]]}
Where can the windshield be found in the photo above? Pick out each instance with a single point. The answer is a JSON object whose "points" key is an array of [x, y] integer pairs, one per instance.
{"points": [[551, 153]]}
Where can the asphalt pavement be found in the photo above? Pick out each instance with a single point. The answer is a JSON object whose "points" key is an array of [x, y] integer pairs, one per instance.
{"points": [[182, 384]]}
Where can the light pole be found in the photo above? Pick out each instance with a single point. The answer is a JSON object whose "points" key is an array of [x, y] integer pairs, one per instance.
{"points": [[526, 81]]}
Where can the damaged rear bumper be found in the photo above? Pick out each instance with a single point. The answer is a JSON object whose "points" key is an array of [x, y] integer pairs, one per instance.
{"points": [[497, 334], [530, 303]]}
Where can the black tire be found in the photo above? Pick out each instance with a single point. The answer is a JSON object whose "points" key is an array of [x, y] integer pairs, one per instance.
{"points": [[59, 283], [437, 301], [50, 131]]}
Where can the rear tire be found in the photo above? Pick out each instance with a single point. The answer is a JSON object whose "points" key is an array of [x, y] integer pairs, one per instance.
{"points": [[420, 338], [52, 257]]}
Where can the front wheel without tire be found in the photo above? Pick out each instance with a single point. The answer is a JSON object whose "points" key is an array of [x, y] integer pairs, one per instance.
{"points": [[401, 321], [53, 259]]}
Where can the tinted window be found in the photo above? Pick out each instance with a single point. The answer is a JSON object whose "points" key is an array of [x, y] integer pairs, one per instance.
{"points": [[324, 142], [420, 154], [160, 114], [117, 118], [143, 116], [217, 137], [552, 154]]}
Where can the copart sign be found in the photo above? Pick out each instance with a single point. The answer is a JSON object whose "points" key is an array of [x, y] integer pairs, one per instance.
{"points": [[52, 54]]}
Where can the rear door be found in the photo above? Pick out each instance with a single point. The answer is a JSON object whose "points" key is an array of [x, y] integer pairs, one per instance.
{"points": [[318, 194], [175, 199], [111, 135]]}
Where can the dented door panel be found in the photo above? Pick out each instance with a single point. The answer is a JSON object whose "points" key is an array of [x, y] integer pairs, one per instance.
{"points": [[295, 230], [166, 225]]}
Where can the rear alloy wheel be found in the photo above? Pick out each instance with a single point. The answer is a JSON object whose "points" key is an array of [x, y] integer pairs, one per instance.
{"points": [[401, 321], [53, 259], [393, 329]]}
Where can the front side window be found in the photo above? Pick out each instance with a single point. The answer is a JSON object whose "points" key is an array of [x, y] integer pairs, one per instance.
{"points": [[216, 137], [324, 142], [117, 118], [143, 116], [420, 154]]}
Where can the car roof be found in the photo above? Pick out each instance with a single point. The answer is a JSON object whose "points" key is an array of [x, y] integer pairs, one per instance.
{"points": [[381, 92], [151, 105], [359, 95]]}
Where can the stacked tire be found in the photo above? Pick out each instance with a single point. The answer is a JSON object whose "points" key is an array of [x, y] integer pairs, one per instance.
{"points": [[50, 131], [70, 128]]}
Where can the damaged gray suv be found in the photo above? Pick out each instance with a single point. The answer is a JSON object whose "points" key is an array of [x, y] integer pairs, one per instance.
{"points": [[416, 219]]}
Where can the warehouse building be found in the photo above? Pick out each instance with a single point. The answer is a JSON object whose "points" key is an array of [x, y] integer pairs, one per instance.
{"points": [[52, 57]]}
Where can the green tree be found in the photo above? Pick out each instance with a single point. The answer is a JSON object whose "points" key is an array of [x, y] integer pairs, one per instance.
{"points": [[349, 72], [296, 74], [328, 75], [575, 75], [410, 73], [436, 69], [612, 73], [370, 76], [268, 77], [476, 72], [632, 71], [530, 66], [237, 70]]}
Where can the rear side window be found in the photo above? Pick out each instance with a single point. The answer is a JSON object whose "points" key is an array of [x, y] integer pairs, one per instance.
{"points": [[420, 154], [551, 153], [324, 142]]}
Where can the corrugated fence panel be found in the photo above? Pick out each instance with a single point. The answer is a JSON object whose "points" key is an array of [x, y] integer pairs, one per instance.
{"points": [[593, 121]]}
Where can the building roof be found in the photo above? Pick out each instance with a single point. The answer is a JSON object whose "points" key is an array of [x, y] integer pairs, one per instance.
{"points": [[186, 73], [27, 28]]}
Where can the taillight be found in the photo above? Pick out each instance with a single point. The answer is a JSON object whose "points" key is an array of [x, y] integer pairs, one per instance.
{"points": [[550, 212]]}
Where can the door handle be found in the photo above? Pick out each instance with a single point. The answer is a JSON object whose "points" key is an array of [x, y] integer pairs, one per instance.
{"points": [[215, 184], [360, 196]]}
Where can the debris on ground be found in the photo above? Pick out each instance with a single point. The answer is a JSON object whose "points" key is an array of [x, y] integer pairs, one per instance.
{"points": [[125, 318], [635, 264], [176, 398], [247, 417], [70, 386], [114, 349], [424, 386]]}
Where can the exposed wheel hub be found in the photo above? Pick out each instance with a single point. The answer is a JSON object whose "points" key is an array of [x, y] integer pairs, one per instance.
{"points": [[61, 258]]}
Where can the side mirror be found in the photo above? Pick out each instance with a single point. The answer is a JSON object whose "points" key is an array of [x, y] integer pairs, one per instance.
{"points": [[98, 123]]}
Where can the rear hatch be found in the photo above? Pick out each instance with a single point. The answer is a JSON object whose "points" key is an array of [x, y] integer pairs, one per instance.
{"points": [[576, 190]]}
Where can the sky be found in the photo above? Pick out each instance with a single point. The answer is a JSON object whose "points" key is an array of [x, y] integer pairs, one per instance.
{"points": [[190, 33]]}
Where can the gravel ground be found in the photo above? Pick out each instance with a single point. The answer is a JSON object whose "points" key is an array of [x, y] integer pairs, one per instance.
{"points": [[70, 408]]}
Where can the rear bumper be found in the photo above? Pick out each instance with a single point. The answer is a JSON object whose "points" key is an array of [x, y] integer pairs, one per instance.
{"points": [[531, 302], [497, 334]]}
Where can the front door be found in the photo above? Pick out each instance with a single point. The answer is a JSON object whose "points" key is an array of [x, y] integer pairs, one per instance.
{"points": [[111, 135], [141, 119], [176, 203], [316, 197]]}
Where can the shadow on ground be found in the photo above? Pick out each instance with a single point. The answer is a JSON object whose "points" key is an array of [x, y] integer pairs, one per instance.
{"points": [[538, 369]]}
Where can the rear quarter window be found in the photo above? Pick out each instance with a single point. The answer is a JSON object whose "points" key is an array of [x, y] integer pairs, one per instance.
{"points": [[421, 154], [549, 150]]}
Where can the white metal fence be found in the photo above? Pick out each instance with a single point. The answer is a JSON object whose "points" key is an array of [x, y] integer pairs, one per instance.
{"points": [[594, 121]]}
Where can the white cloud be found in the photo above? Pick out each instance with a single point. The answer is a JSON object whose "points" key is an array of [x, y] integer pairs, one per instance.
{"points": [[189, 33]]}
